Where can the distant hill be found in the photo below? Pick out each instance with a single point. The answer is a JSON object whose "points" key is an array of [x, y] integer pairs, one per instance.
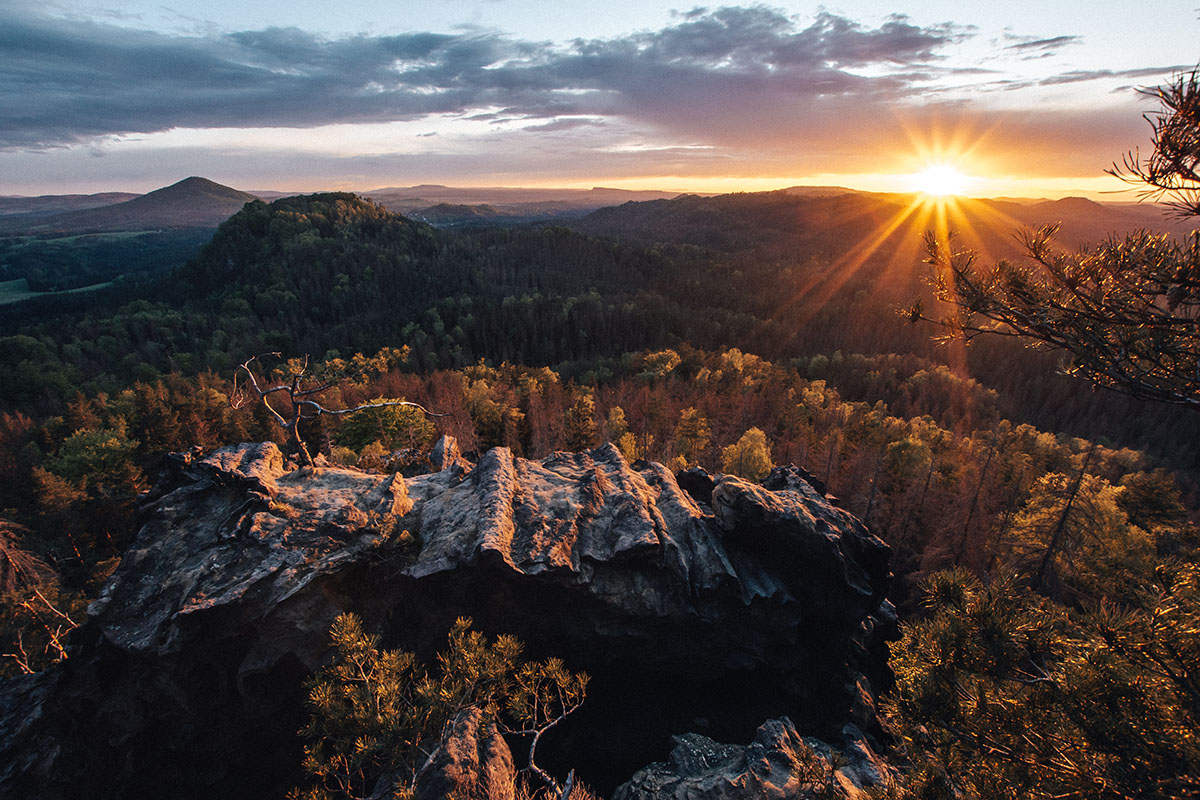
{"points": [[190, 203], [47, 204], [832, 219], [511, 204], [819, 191], [1082, 221], [747, 221], [446, 214]]}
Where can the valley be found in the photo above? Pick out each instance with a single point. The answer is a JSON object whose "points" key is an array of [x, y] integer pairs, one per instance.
{"points": [[668, 352]]}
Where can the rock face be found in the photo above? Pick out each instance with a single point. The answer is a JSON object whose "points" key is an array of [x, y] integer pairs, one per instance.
{"points": [[473, 763], [186, 681], [778, 765]]}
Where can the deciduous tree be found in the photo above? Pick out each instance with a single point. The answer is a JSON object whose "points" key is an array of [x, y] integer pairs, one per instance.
{"points": [[749, 456]]}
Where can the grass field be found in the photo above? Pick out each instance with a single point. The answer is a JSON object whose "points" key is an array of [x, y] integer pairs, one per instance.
{"points": [[13, 244], [18, 290]]}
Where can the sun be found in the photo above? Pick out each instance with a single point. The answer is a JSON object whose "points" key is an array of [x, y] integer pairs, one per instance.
{"points": [[940, 180]]}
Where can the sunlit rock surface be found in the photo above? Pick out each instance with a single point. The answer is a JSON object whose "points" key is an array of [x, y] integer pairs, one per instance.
{"points": [[473, 762], [779, 764], [705, 615]]}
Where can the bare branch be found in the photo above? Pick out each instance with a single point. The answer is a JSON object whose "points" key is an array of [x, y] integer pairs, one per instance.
{"points": [[300, 395], [363, 407], [21, 657], [54, 610]]}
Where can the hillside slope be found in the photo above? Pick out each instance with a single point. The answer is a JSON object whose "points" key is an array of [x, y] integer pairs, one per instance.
{"points": [[191, 203]]}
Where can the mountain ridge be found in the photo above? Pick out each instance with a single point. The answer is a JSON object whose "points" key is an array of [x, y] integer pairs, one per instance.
{"points": [[193, 202]]}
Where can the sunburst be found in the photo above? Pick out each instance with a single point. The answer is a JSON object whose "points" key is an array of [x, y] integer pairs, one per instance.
{"points": [[940, 180]]}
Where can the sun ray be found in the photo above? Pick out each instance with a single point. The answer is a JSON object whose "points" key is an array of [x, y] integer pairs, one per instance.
{"points": [[819, 289]]}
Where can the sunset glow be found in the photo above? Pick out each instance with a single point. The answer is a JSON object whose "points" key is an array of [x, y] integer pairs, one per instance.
{"points": [[938, 98], [940, 180]]}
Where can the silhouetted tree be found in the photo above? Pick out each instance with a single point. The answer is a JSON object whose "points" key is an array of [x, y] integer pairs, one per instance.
{"points": [[1128, 311], [1171, 169]]}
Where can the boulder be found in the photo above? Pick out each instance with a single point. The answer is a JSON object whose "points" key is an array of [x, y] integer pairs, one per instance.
{"points": [[778, 765], [186, 681], [446, 455]]}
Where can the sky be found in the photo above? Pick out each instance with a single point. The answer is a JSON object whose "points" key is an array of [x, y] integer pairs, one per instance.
{"points": [[1031, 99]]}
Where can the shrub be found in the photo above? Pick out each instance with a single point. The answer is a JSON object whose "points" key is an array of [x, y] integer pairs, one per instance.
{"points": [[379, 714]]}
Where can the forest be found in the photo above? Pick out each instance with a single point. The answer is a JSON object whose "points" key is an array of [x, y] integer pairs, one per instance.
{"points": [[1043, 548]]}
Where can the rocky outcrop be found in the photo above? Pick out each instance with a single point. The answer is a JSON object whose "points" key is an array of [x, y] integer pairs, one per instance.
{"points": [[447, 455], [778, 765], [473, 762], [186, 680]]}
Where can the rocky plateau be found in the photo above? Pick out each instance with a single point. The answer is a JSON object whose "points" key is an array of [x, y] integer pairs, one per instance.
{"points": [[700, 612]]}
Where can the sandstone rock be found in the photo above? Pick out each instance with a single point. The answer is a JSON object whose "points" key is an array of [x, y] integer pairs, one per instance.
{"points": [[447, 455], [778, 765], [820, 551], [698, 483], [473, 762], [789, 476], [186, 680]]}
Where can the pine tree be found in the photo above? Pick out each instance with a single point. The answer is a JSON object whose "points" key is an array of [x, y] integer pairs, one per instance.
{"points": [[692, 435], [379, 714], [1002, 693], [391, 423], [579, 422], [1124, 310]]}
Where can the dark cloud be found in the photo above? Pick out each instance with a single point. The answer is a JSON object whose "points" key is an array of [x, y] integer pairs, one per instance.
{"points": [[1155, 74], [1036, 47], [70, 81]]}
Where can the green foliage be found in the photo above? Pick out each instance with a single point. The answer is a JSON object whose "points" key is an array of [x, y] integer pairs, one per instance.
{"points": [[497, 423], [87, 490], [393, 426], [1078, 529], [1001, 693], [99, 458], [692, 435], [615, 425], [659, 364], [579, 422], [75, 261], [631, 448], [749, 457], [379, 714]]}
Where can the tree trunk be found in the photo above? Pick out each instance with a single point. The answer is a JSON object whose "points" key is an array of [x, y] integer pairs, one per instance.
{"points": [[1060, 526]]}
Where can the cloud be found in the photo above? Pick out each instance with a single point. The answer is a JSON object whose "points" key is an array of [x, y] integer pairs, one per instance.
{"points": [[1156, 74], [69, 81], [1038, 47], [728, 91]]}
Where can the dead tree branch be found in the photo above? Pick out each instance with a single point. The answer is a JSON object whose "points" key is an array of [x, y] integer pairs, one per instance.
{"points": [[300, 388]]}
